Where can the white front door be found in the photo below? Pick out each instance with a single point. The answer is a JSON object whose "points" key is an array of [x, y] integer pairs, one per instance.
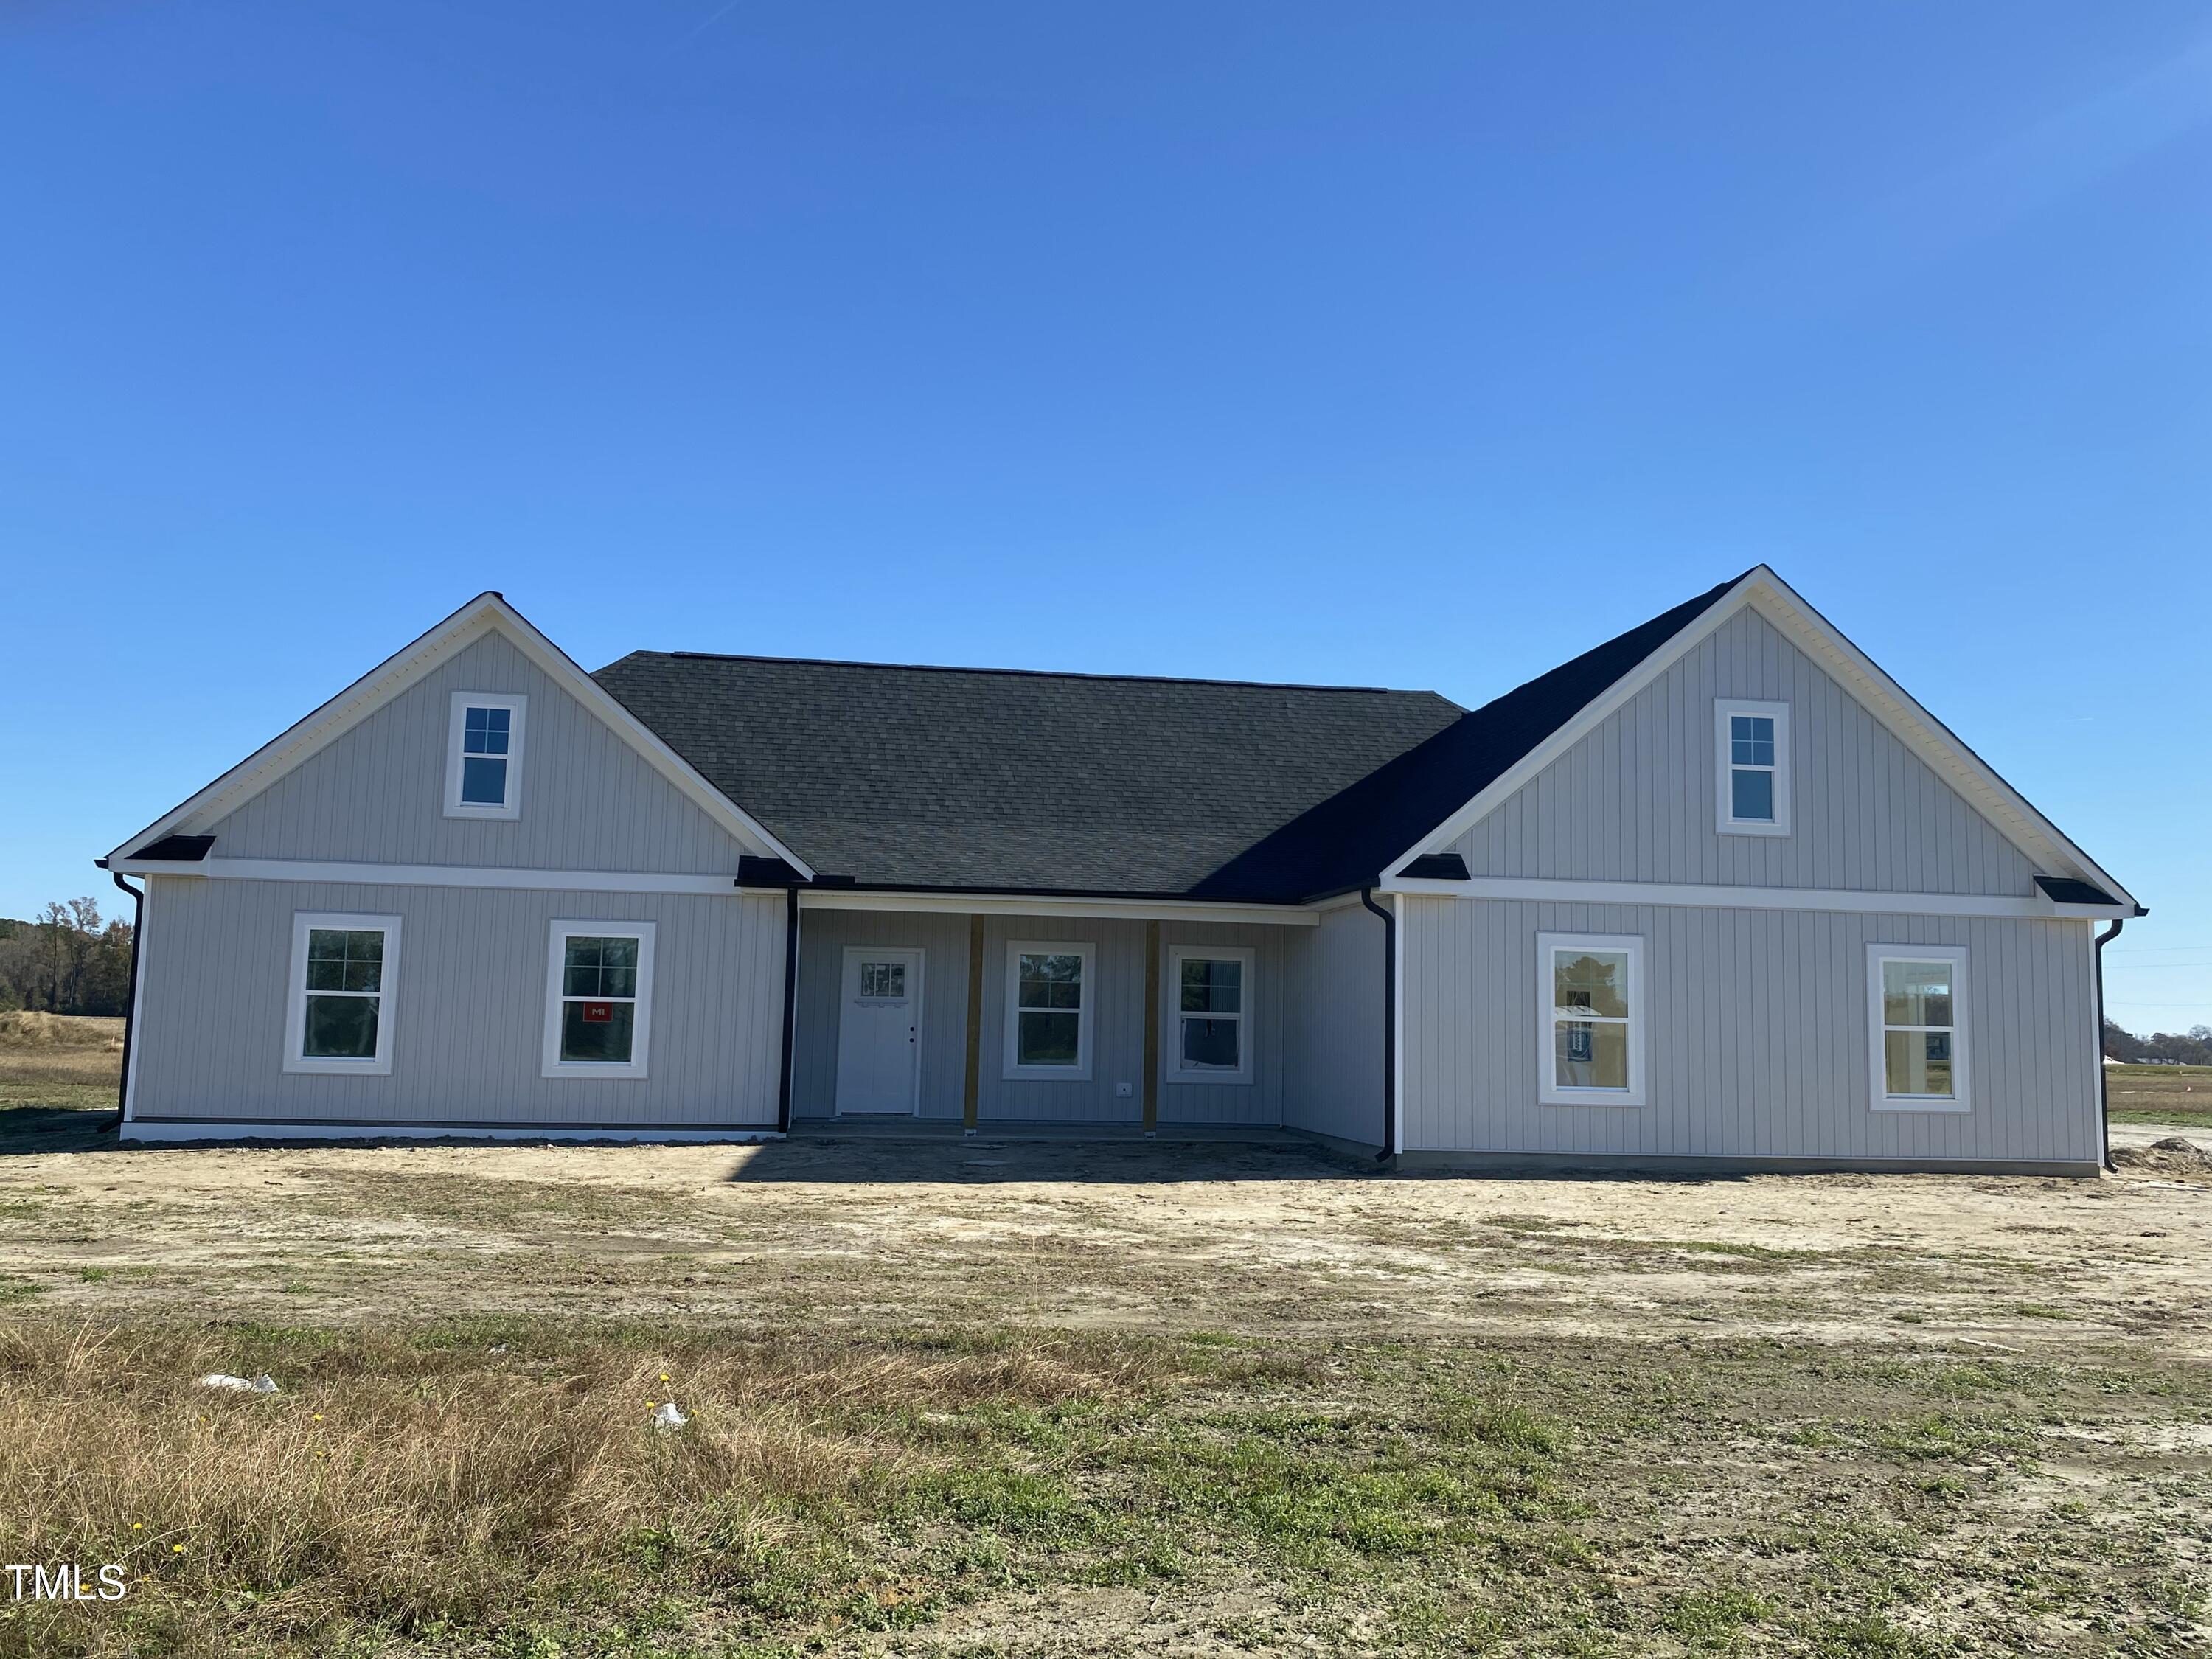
{"points": [[880, 1031]]}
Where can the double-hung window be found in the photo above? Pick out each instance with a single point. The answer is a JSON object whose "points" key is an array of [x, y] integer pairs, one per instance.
{"points": [[1590, 1037], [1209, 1012], [484, 755], [1752, 760], [1917, 1015], [598, 998], [339, 1015], [1049, 997]]}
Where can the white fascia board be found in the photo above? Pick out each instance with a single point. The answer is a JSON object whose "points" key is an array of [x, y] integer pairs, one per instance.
{"points": [[1861, 901], [2126, 912], [389, 678], [175, 1130], [438, 875], [647, 881], [1000, 904], [1335, 902], [2006, 808]]}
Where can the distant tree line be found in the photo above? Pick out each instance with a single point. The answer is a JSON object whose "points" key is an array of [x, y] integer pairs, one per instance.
{"points": [[67, 960], [2191, 1047]]}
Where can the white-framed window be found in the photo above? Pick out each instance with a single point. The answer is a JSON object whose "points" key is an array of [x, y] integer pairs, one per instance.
{"points": [[1917, 1015], [484, 755], [1752, 759], [1590, 1007], [1207, 1020], [598, 998], [1049, 993], [338, 1020]]}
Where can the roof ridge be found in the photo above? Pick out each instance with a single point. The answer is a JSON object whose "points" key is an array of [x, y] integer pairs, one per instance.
{"points": [[1039, 673]]}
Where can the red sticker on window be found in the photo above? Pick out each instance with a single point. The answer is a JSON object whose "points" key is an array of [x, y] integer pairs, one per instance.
{"points": [[599, 1013]]}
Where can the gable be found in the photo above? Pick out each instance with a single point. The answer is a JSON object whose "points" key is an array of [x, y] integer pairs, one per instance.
{"points": [[1634, 799], [376, 793], [1665, 641], [608, 793]]}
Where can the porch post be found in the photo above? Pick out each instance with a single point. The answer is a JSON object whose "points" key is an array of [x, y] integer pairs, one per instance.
{"points": [[1151, 1028], [972, 1087]]}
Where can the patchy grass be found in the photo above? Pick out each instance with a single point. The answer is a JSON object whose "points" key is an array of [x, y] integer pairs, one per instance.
{"points": [[940, 1407], [494, 1487]]}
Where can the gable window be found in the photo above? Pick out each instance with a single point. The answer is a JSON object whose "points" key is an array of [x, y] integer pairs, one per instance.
{"points": [[598, 998], [1752, 759], [1589, 1038], [1916, 1012], [1049, 998], [1209, 995], [483, 756], [338, 1017]]}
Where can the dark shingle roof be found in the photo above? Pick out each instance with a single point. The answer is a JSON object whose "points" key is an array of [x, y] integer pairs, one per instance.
{"points": [[1345, 841], [988, 779]]}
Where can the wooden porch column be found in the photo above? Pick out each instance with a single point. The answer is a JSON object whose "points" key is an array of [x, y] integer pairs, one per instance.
{"points": [[972, 1088], [1151, 1028]]}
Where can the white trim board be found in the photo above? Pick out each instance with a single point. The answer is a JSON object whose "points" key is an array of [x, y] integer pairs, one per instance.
{"points": [[168, 1129], [486, 612], [648, 881], [1396, 1034], [1974, 780], [987, 904], [134, 1030], [438, 875], [1541, 890]]}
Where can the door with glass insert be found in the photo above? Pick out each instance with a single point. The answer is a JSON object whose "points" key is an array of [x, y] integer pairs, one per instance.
{"points": [[880, 1031]]}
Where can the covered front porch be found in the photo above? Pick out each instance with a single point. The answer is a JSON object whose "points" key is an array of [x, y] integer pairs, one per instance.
{"points": [[925, 1013]]}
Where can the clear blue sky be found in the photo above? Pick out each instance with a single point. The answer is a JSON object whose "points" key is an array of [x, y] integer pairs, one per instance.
{"points": [[1421, 345]]}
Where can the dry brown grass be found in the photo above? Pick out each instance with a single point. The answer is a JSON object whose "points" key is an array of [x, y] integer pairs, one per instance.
{"points": [[403, 1488], [27, 1028], [2158, 1094], [65, 1051]]}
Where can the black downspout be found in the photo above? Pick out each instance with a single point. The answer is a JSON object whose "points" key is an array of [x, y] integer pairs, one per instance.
{"points": [[790, 1006], [2104, 1079], [131, 995], [1389, 1025]]}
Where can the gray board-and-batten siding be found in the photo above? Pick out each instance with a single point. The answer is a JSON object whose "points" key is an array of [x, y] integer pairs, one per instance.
{"points": [[467, 1005], [1759, 1044]]}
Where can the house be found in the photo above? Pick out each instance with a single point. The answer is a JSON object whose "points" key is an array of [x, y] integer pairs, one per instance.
{"points": [[1717, 893]]}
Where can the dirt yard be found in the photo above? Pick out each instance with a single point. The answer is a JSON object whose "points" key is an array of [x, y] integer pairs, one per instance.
{"points": [[1278, 1240], [1290, 1405]]}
